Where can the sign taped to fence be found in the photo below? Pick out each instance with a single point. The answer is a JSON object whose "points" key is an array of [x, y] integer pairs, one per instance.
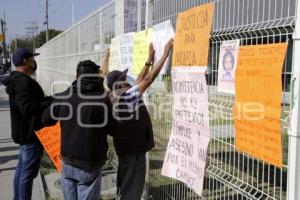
{"points": [[186, 152], [142, 41], [258, 101], [115, 54], [193, 29], [121, 52], [162, 33], [50, 138], [228, 59], [126, 51]]}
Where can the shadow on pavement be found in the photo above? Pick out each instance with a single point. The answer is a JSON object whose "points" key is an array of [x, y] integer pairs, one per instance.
{"points": [[6, 140], [7, 169], [5, 159], [13, 148]]}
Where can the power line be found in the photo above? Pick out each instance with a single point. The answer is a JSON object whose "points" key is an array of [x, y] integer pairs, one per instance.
{"points": [[30, 31]]}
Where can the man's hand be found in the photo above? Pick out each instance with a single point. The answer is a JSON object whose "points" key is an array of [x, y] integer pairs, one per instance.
{"points": [[151, 54], [144, 83], [168, 48]]}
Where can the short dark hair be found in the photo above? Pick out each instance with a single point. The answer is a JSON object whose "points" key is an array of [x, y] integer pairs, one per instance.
{"points": [[115, 76], [87, 67]]}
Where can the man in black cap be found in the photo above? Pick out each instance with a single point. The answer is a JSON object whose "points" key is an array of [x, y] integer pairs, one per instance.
{"points": [[131, 127], [84, 113], [27, 101]]}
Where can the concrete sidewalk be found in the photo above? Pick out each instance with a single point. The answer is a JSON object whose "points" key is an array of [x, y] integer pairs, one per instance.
{"points": [[9, 152]]}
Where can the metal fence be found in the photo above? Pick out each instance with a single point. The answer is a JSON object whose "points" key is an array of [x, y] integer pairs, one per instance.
{"points": [[87, 39], [230, 174]]}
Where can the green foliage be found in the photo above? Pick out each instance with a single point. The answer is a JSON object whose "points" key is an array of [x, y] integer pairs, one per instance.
{"points": [[22, 43], [40, 39]]}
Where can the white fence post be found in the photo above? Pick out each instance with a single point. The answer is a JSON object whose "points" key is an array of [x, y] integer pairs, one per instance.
{"points": [[294, 131], [148, 22], [119, 17], [139, 15]]}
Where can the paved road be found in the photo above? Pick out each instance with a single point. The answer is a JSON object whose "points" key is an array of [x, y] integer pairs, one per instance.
{"points": [[9, 153]]}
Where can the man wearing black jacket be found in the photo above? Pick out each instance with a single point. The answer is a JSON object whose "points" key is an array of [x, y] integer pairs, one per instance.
{"points": [[83, 111], [131, 127], [27, 101]]}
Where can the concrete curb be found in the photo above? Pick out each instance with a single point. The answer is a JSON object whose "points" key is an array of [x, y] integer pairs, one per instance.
{"points": [[41, 186]]}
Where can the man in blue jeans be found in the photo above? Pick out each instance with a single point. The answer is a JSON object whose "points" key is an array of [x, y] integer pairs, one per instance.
{"points": [[27, 101], [83, 111]]}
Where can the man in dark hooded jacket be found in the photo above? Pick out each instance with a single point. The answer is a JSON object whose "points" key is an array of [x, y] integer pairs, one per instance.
{"points": [[84, 114], [27, 101]]}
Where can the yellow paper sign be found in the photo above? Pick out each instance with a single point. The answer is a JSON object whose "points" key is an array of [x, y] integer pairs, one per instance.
{"points": [[258, 101], [142, 41], [50, 137], [192, 36]]}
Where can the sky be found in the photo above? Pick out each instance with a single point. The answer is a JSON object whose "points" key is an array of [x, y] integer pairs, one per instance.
{"points": [[20, 13]]}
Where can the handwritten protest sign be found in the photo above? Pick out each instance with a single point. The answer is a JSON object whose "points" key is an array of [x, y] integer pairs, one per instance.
{"points": [[142, 41], [121, 52], [115, 54], [192, 36], [162, 33], [258, 101], [186, 152], [50, 138], [126, 51], [227, 65]]}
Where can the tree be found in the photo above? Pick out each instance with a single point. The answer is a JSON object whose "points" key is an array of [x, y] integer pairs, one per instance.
{"points": [[21, 43], [40, 39]]}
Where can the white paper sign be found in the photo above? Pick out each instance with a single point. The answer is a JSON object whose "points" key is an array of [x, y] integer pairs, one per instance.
{"points": [[115, 54], [121, 52], [162, 33], [228, 58], [186, 152], [126, 51]]}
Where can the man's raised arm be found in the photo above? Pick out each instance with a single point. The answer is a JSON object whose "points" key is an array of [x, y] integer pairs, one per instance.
{"points": [[149, 63], [105, 63], [145, 82]]}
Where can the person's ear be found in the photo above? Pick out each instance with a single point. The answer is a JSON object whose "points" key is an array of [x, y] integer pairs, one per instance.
{"points": [[26, 62]]}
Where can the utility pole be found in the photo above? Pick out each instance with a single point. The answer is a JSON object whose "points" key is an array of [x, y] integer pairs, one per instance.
{"points": [[31, 30], [3, 29], [16, 41], [47, 22]]}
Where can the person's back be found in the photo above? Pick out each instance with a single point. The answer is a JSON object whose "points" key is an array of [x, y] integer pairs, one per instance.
{"points": [[84, 139], [131, 127], [83, 112]]}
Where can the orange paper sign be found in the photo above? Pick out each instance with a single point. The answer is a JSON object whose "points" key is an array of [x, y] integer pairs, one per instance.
{"points": [[258, 101], [192, 36], [50, 138]]}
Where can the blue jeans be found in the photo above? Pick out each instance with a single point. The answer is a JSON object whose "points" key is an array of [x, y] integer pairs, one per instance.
{"points": [[80, 184], [27, 169]]}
